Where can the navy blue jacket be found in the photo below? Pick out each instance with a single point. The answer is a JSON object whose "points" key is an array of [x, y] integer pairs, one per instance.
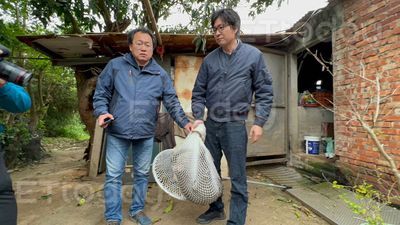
{"points": [[225, 85], [132, 95]]}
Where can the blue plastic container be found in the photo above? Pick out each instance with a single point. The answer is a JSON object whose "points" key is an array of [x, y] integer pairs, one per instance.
{"points": [[312, 145]]}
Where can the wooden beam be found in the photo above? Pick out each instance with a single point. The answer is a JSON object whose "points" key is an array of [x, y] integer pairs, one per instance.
{"points": [[95, 152], [81, 61], [149, 11]]}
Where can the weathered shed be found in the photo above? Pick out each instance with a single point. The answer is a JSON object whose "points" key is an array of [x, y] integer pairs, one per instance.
{"points": [[89, 53]]}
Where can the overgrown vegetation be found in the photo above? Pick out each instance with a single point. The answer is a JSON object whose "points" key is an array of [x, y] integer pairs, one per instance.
{"points": [[14, 138], [53, 92], [365, 201], [69, 127]]}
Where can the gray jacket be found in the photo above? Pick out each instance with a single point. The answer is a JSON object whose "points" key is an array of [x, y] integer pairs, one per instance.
{"points": [[132, 95], [225, 85]]}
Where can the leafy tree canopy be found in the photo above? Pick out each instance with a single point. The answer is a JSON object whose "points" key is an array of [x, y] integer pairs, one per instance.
{"points": [[81, 16]]}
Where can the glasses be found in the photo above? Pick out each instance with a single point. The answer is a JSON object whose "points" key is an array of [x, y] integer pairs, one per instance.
{"points": [[143, 44], [220, 28]]}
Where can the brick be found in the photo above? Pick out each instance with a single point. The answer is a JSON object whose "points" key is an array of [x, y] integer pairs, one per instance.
{"points": [[367, 159], [382, 162], [371, 33], [394, 7], [396, 98], [396, 31], [367, 165], [386, 34], [389, 21], [385, 48], [384, 124], [362, 10], [390, 79], [385, 138], [394, 39], [395, 85], [371, 59], [379, 9]]}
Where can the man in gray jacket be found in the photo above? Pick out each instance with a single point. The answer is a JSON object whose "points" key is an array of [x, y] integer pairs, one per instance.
{"points": [[225, 85], [128, 93]]}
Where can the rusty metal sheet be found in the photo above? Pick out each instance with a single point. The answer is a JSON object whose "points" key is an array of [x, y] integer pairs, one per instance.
{"points": [[273, 143], [186, 69], [69, 47]]}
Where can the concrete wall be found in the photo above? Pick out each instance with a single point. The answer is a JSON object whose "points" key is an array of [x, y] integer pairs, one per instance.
{"points": [[307, 121], [310, 119]]}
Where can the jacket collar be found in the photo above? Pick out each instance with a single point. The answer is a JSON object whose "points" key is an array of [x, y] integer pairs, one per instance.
{"points": [[236, 49], [151, 67]]}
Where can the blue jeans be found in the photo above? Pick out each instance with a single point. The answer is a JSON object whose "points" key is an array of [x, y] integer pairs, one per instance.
{"points": [[231, 139], [116, 155]]}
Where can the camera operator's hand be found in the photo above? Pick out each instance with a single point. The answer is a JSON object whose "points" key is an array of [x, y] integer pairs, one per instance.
{"points": [[104, 117], [2, 82]]}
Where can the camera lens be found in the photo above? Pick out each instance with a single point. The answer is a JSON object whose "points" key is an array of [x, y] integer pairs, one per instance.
{"points": [[14, 73]]}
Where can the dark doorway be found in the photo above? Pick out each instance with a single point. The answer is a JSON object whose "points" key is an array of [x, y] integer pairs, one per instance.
{"points": [[311, 76]]}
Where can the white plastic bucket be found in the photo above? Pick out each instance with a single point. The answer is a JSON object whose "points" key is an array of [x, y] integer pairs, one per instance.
{"points": [[312, 144]]}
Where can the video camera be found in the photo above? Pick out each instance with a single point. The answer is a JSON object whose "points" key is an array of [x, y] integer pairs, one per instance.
{"points": [[11, 72]]}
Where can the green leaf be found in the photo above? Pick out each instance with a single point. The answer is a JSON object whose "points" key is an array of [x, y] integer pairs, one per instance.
{"points": [[197, 42], [282, 199], [203, 44], [156, 220], [81, 202], [45, 197], [170, 206]]}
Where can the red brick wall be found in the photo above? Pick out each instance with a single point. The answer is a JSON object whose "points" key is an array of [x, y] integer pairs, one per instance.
{"points": [[370, 34]]}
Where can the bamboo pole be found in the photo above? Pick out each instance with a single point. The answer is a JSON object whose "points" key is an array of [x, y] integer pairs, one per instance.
{"points": [[150, 13]]}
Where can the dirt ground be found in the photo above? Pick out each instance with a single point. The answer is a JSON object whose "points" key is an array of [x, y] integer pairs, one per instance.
{"points": [[48, 193]]}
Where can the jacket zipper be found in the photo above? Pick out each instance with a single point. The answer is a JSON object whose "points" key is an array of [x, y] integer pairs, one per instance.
{"points": [[134, 98]]}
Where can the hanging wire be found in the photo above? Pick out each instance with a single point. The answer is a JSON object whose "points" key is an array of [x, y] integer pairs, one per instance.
{"points": [[37, 58], [314, 13]]}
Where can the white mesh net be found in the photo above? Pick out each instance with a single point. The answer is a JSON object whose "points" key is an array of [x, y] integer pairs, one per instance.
{"points": [[187, 172]]}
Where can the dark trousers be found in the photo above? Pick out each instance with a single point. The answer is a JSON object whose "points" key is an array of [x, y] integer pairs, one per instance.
{"points": [[8, 205], [230, 138]]}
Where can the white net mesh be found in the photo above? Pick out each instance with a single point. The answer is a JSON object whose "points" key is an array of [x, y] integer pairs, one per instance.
{"points": [[187, 172]]}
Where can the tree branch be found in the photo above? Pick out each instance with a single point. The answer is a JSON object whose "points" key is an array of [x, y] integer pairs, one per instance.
{"points": [[360, 117], [324, 66], [149, 11], [381, 149], [378, 99], [105, 13]]}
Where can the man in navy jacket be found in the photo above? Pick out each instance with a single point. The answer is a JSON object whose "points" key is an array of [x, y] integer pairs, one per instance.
{"points": [[129, 91], [15, 99], [225, 84]]}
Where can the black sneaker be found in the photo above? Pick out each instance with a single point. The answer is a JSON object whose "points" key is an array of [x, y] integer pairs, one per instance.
{"points": [[210, 215]]}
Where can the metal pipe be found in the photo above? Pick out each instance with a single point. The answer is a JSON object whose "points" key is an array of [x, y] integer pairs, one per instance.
{"points": [[283, 187]]}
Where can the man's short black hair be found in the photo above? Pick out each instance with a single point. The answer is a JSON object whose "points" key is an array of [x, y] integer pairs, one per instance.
{"points": [[228, 16], [132, 33]]}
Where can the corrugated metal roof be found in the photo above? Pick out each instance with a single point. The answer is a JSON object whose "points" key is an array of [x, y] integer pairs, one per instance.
{"points": [[98, 48]]}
